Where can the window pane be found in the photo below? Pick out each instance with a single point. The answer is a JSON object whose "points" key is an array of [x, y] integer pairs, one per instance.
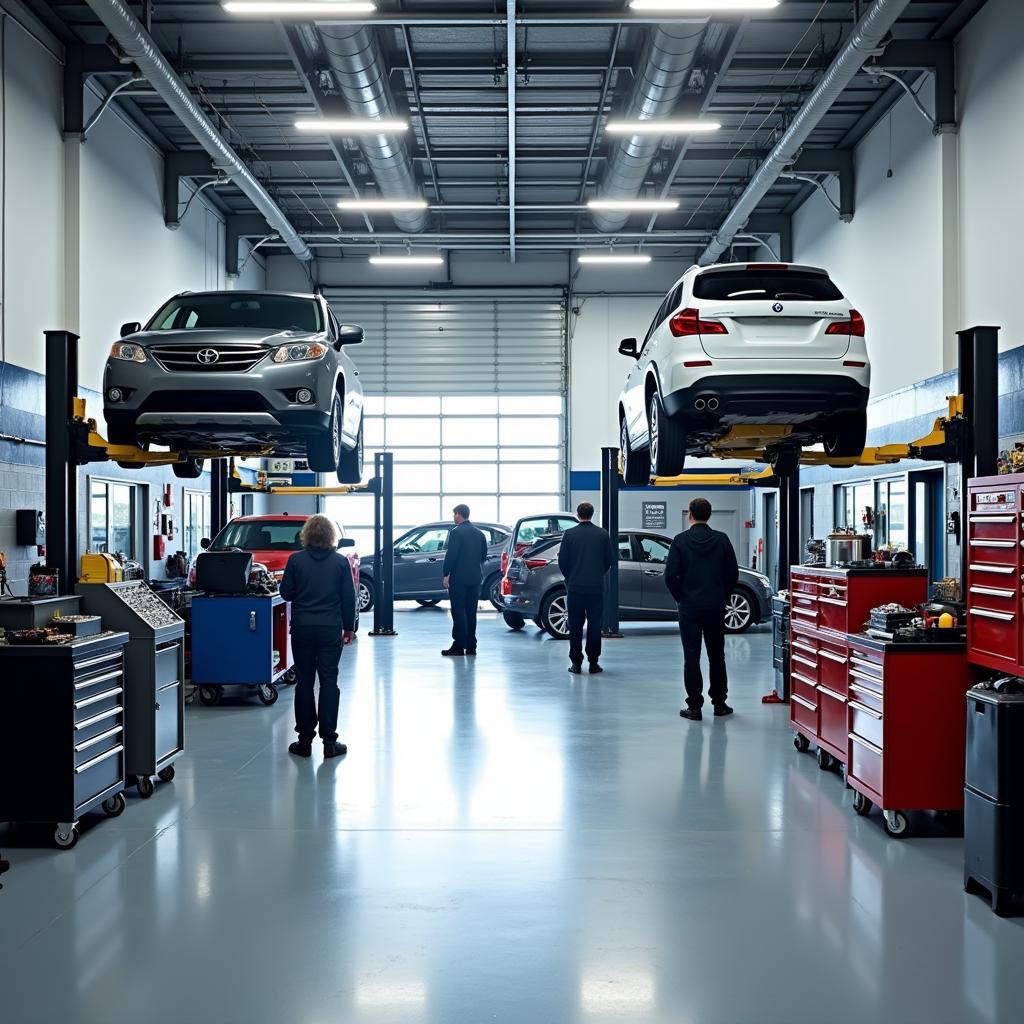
{"points": [[531, 430], [524, 479], [469, 405], [421, 509], [373, 405], [121, 532], [373, 432], [416, 455], [98, 517], [364, 542], [351, 510], [625, 549], [531, 405], [415, 430], [483, 507], [401, 405], [470, 454], [654, 550], [467, 432], [531, 454], [470, 477], [417, 478]]}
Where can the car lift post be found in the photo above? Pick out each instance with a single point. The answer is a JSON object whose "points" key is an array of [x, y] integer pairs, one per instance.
{"points": [[220, 511], [383, 546], [610, 521], [789, 544]]}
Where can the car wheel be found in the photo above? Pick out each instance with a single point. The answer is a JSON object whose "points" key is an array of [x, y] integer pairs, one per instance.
{"points": [[350, 462], [636, 465], [323, 451], [668, 440], [427, 602], [739, 611], [190, 469], [492, 591], [513, 620], [845, 438], [554, 615], [364, 597]]}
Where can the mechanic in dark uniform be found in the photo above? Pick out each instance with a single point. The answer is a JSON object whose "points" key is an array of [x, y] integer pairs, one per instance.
{"points": [[585, 556], [463, 561], [701, 572]]}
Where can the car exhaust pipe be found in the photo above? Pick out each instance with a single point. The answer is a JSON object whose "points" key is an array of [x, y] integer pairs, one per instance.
{"points": [[712, 403], [699, 404]]}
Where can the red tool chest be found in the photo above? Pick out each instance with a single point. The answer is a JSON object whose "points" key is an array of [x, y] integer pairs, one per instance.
{"points": [[994, 538]]}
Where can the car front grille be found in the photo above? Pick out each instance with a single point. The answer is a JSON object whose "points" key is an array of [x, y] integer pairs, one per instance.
{"points": [[239, 358]]}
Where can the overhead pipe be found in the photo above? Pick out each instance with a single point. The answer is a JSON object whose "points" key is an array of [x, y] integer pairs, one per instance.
{"points": [[662, 75], [864, 42], [137, 44]]}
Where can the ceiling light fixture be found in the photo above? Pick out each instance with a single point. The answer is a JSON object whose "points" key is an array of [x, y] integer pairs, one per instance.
{"points": [[382, 204], [325, 8], [633, 204], [710, 6], [654, 127], [613, 257], [406, 261], [352, 125]]}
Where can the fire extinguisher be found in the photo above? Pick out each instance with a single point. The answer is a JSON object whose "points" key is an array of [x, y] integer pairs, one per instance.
{"points": [[159, 547]]}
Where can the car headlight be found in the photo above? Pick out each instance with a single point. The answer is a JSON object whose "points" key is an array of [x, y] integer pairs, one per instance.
{"points": [[127, 351], [298, 353]]}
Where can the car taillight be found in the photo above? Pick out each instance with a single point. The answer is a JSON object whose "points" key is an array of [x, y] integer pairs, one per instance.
{"points": [[504, 562], [853, 327], [537, 563], [506, 587], [687, 323]]}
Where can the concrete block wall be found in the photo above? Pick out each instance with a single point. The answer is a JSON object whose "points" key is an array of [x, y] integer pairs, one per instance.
{"points": [[20, 487]]}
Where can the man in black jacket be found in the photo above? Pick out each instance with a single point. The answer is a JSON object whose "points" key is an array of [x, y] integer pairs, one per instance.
{"points": [[701, 573], [318, 583], [466, 553], [585, 556]]}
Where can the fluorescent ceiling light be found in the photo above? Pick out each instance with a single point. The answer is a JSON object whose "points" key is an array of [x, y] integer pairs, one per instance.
{"points": [[703, 5], [352, 125], [633, 204], [406, 261], [613, 257], [382, 204], [654, 127], [325, 8]]}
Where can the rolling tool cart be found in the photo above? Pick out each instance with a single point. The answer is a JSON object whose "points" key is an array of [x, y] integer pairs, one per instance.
{"points": [[154, 680], [62, 732]]}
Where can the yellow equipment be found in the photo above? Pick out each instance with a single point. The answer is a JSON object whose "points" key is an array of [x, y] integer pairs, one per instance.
{"points": [[100, 567]]}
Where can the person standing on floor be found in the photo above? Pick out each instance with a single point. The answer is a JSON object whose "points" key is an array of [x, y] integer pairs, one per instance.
{"points": [[585, 556], [701, 573], [463, 574], [318, 583]]}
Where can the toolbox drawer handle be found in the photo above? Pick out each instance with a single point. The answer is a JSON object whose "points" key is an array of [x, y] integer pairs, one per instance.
{"points": [[172, 645], [168, 686], [804, 703], [803, 679], [78, 665], [864, 662], [865, 743], [804, 611], [993, 591], [832, 657], [986, 614], [877, 694], [98, 739], [804, 600], [857, 706], [991, 517], [1002, 570], [832, 600], [97, 698], [805, 647], [992, 543], [93, 680], [861, 675], [84, 767], [831, 693], [85, 723], [805, 661]]}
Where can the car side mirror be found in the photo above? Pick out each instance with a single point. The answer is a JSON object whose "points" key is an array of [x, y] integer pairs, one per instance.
{"points": [[205, 543], [132, 327], [627, 347], [349, 334], [346, 542]]}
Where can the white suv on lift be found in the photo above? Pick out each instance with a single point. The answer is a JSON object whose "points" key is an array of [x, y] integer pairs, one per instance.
{"points": [[745, 343]]}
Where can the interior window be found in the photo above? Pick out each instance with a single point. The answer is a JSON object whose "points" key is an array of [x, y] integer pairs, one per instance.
{"points": [[654, 549], [625, 548]]}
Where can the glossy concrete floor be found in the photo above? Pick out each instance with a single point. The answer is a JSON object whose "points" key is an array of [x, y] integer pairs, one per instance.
{"points": [[505, 842]]}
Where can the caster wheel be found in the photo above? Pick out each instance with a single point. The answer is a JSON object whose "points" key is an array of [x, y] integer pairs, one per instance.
{"points": [[114, 807], [210, 695], [145, 786], [267, 694], [66, 840], [290, 677], [895, 823], [801, 742], [861, 804], [824, 760], [166, 774]]}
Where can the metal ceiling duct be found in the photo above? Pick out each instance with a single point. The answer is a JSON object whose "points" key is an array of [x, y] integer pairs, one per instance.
{"points": [[137, 43], [661, 77], [362, 79], [865, 41]]}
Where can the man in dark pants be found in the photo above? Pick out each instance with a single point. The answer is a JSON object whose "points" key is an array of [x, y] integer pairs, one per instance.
{"points": [[585, 556], [463, 559], [701, 573], [318, 583]]}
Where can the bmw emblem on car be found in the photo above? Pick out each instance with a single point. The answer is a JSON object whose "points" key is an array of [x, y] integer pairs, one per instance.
{"points": [[777, 307], [208, 356]]}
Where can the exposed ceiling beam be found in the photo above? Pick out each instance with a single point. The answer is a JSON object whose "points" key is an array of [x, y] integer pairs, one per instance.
{"points": [[510, 76]]}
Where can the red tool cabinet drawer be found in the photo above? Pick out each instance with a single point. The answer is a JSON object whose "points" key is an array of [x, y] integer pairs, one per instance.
{"points": [[803, 686], [833, 666], [997, 552], [803, 714], [833, 614], [993, 597], [865, 721], [802, 662], [992, 526], [832, 724], [804, 609], [994, 633], [865, 762], [802, 585]]}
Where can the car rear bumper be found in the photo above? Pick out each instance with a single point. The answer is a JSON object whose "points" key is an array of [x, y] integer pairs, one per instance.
{"points": [[525, 604]]}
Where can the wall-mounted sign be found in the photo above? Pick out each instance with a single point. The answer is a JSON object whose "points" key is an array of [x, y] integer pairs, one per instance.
{"points": [[654, 515]]}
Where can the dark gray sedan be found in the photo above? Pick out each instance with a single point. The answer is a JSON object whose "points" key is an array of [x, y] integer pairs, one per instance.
{"points": [[419, 559], [535, 588]]}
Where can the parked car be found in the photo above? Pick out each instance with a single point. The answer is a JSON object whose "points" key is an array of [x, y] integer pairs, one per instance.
{"points": [[535, 587], [419, 558], [530, 529], [239, 371], [740, 344]]}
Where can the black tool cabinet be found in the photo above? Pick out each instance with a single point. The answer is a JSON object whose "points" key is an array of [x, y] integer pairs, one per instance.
{"points": [[155, 667], [62, 732]]}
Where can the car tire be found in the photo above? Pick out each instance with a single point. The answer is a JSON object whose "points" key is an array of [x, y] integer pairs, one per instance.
{"points": [[350, 461], [513, 620], [554, 615], [428, 602], [323, 451], [491, 591], [636, 465], [190, 469], [365, 595], [668, 440], [739, 611], [845, 438]]}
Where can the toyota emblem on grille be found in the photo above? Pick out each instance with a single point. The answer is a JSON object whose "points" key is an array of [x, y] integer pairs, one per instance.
{"points": [[777, 307], [208, 356]]}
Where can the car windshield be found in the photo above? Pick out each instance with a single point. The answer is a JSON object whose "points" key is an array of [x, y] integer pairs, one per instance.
{"points": [[238, 310], [751, 286], [542, 526], [264, 536]]}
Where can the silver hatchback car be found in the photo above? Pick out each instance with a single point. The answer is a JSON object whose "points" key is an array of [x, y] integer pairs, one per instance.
{"points": [[237, 371]]}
